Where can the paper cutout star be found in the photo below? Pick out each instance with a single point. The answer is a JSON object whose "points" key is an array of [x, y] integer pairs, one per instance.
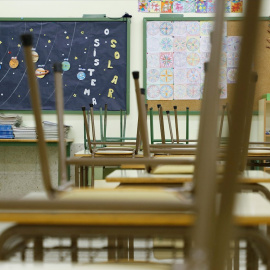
{"points": [[82, 32], [75, 95], [31, 30], [49, 41], [67, 37], [19, 45], [1, 42], [75, 57]]}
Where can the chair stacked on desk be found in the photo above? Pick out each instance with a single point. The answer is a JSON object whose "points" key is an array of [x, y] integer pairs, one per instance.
{"points": [[206, 219]]}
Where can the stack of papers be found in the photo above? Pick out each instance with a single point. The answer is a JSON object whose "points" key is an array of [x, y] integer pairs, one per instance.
{"points": [[10, 119], [25, 132], [51, 130]]}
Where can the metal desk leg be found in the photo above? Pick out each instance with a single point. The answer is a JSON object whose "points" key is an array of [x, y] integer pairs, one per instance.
{"points": [[122, 248], [38, 249], [74, 249], [111, 248]]}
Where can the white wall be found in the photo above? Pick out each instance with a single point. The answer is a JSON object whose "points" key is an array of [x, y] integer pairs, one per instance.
{"points": [[69, 8]]}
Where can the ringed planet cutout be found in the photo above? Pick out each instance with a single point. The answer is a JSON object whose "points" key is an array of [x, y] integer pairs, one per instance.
{"points": [[41, 72]]}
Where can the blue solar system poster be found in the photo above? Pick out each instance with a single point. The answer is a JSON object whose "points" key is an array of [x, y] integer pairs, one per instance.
{"points": [[93, 56]]}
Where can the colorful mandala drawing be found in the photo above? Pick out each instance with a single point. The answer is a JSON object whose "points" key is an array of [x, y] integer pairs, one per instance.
{"points": [[153, 28], [166, 44], [233, 59], [153, 92], [193, 44], [179, 6], [193, 28], [179, 91], [224, 44], [211, 6], [223, 63], [231, 75], [180, 60], [228, 6], [180, 29], [180, 76], [153, 76], [166, 28], [194, 91], [233, 43], [166, 6], [179, 44], [166, 76], [205, 44], [191, 6], [206, 28], [153, 60], [193, 59], [166, 60], [155, 6], [152, 44], [237, 6], [166, 91], [143, 6], [201, 7], [193, 76]]}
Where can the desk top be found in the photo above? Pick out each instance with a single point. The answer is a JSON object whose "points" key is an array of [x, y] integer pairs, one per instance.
{"points": [[32, 140], [143, 177], [251, 209], [92, 266]]}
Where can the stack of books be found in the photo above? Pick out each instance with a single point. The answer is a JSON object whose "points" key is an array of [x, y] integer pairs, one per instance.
{"points": [[6, 132], [10, 119], [25, 132], [51, 130]]}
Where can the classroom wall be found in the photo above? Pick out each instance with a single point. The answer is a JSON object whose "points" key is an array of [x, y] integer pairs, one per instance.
{"points": [[69, 8]]}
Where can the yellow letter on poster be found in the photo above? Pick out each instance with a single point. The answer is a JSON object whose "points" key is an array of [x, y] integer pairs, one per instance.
{"points": [[113, 43], [110, 93], [115, 79], [117, 55], [109, 64]]}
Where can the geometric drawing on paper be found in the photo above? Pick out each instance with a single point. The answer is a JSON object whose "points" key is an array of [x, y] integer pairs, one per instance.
{"points": [[205, 57], [166, 91], [180, 59], [166, 60], [232, 75], [143, 6], [211, 7], [153, 28], [201, 7], [153, 44], [233, 43], [193, 91], [166, 76], [191, 6], [193, 44], [180, 76], [205, 44], [193, 59], [155, 6], [223, 91], [180, 91], [166, 28], [223, 76], [180, 28], [153, 75], [153, 60], [233, 59], [153, 91], [166, 44], [178, 7], [193, 75], [206, 28], [179, 44], [193, 28]]}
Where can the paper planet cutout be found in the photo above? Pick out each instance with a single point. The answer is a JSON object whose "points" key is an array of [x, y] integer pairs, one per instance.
{"points": [[41, 72], [13, 63], [35, 56], [81, 75], [65, 65]]}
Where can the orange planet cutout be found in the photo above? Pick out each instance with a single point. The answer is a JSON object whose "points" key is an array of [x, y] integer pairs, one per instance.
{"points": [[41, 72], [13, 63], [35, 56]]}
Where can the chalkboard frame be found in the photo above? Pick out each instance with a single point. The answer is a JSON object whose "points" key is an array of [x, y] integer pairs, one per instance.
{"points": [[88, 18], [179, 17]]}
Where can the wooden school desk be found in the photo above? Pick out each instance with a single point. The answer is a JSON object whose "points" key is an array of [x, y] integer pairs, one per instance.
{"points": [[33, 142]]}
